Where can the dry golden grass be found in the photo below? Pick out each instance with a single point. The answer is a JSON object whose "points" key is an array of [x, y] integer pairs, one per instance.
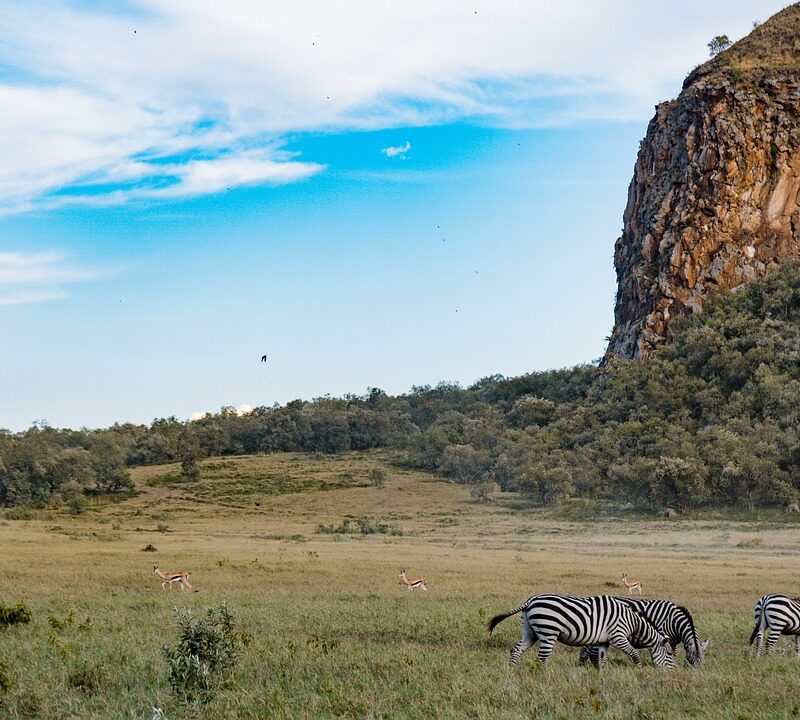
{"points": [[337, 635]]}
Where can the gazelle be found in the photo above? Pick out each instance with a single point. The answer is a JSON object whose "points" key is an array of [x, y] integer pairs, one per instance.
{"points": [[632, 584], [413, 582], [182, 578]]}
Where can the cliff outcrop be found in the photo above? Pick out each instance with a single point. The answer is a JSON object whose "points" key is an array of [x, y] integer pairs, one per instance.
{"points": [[714, 198]]}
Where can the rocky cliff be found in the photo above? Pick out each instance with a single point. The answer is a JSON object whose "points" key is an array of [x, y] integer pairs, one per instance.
{"points": [[714, 196]]}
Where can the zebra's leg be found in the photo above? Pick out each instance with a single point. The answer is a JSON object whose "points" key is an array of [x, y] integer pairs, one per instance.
{"points": [[586, 654], [546, 648], [771, 638], [528, 638], [621, 641], [596, 654]]}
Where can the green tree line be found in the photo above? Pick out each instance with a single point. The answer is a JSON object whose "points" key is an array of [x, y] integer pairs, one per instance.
{"points": [[711, 419]]}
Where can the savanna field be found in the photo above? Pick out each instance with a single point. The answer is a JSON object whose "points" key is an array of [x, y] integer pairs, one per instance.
{"points": [[332, 631]]}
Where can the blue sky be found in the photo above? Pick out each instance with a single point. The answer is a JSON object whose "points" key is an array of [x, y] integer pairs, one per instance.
{"points": [[373, 197]]}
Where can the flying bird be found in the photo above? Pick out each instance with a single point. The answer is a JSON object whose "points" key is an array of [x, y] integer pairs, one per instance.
{"points": [[263, 358]]}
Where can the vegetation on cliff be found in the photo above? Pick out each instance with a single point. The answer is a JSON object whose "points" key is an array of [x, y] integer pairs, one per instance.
{"points": [[711, 419], [771, 48]]}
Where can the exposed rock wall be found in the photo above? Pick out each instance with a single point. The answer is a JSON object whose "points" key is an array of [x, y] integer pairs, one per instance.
{"points": [[713, 201]]}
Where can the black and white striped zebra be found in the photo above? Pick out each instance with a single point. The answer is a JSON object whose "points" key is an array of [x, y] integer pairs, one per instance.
{"points": [[776, 615], [671, 620], [576, 621]]}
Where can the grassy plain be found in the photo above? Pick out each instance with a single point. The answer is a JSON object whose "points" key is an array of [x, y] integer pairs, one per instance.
{"points": [[336, 635]]}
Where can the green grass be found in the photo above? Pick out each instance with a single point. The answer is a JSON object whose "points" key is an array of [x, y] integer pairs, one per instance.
{"points": [[337, 635]]}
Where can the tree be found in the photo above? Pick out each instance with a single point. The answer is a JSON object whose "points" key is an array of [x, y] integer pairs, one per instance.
{"points": [[547, 485], [718, 44], [677, 481], [189, 452]]}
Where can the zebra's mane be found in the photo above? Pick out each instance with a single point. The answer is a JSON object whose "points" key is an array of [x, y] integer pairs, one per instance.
{"points": [[688, 616]]}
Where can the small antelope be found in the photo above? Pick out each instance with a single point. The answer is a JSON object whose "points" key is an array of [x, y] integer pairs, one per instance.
{"points": [[182, 578], [632, 584], [413, 582]]}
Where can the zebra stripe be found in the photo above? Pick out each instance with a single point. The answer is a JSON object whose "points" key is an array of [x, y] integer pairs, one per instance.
{"points": [[674, 622], [595, 654], [776, 615], [576, 621]]}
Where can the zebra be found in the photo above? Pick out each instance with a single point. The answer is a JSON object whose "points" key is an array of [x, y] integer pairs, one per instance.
{"points": [[577, 621], [595, 654], [777, 615], [673, 621]]}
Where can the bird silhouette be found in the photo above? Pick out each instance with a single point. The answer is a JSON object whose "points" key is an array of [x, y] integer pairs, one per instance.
{"points": [[263, 358]]}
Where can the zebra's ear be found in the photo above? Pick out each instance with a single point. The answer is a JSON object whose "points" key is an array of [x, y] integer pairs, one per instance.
{"points": [[704, 645]]}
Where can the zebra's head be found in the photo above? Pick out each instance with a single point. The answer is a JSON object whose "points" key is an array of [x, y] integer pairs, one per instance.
{"points": [[662, 653], [695, 649], [695, 659], [659, 645]]}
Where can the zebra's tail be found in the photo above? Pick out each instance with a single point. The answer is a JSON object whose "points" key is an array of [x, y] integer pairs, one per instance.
{"points": [[754, 633], [497, 619]]}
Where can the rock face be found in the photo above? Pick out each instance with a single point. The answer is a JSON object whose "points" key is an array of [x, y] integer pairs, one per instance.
{"points": [[714, 198]]}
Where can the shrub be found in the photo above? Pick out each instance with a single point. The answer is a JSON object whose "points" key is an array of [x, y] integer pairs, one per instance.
{"points": [[77, 504], [15, 615], [6, 683], [377, 477], [207, 647], [362, 526], [718, 44]]}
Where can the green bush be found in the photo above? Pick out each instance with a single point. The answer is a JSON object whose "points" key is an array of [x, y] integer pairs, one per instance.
{"points": [[17, 614], [361, 526], [206, 649], [377, 477]]}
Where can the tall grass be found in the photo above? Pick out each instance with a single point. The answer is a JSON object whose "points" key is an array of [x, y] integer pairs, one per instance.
{"points": [[335, 634]]}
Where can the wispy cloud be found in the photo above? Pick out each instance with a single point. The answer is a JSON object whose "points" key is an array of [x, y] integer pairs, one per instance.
{"points": [[98, 102], [398, 150], [36, 277], [25, 298]]}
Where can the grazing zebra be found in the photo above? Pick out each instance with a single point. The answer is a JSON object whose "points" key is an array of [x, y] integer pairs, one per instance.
{"points": [[671, 620], [777, 615], [598, 620]]}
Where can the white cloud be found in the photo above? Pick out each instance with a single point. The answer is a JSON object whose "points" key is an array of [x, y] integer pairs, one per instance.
{"points": [[36, 277], [243, 409], [398, 150], [212, 87], [25, 298]]}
